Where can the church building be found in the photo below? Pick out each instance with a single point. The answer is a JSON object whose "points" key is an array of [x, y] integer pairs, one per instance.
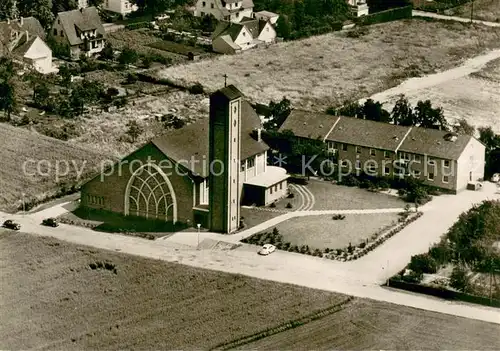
{"points": [[199, 174]]}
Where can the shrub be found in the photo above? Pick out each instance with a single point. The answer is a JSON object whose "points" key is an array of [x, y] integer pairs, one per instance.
{"points": [[350, 248], [413, 277], [196, 89], [132, 78], [423, 263], [291, 196], [440, 253], [273, 205], [459, 279], [357, 32], [350, 180], [362, 245], [289, 205], [285, 246]]}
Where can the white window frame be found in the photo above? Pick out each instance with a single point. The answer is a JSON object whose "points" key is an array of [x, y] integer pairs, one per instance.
{"points": [[358, 149], [444, 163], [344, 147], [358, 164], [373, 152], [416, 174], [386, 154], [429, 176], [446, 181], [385, 170], [416, 158]]}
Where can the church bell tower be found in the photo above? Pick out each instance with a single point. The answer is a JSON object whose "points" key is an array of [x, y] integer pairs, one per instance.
{"points": [[224, 156]]}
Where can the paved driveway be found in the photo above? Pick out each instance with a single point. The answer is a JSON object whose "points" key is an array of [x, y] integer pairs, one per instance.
{"points": [[358, 278]]}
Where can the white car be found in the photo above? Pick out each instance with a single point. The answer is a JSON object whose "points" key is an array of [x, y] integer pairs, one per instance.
{"points": [[495, 178], [267, 249]]}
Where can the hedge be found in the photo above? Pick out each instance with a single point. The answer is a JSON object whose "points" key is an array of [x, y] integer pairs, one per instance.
{"points": [[443, 293], [387, 16], [307, 32], [137, 25]]}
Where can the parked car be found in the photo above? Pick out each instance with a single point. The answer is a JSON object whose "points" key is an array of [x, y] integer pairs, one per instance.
{"points": [[495, 178], [267, 249], [50, 222], [10, 224]]}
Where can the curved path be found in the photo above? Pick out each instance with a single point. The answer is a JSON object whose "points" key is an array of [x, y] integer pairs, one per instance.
{"points": [[361, 278], [425, 14]]}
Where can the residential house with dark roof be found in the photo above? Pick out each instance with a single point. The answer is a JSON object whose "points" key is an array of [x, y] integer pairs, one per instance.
{"points": [[225, 10], [23, 40], [81, 30], [438, 158], [200, 173], [232, 38]]}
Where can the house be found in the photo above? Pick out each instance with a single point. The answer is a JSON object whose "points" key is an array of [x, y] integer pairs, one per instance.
{"points": [[123, 7], [231, 38], [438, 158], [267, 16], [200, 173], [81, 30], [23, 40], [229, 10], [358, 7]]}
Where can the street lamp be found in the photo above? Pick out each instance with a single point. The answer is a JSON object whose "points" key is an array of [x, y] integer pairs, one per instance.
{"points": [[198, 245]]}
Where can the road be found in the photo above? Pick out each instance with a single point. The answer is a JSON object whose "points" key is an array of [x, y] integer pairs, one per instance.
{"points": [[417, 13], [359, 278]]}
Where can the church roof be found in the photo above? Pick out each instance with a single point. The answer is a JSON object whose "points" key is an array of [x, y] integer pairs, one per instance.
{"points": [[189, 145]]}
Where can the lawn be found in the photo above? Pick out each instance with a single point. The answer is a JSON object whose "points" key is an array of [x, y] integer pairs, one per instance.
{"points": [[321, 231], [371, 325], [485, 10], [32, 164], [176, 48], [328, 196], [325, 70], [52, 299]]}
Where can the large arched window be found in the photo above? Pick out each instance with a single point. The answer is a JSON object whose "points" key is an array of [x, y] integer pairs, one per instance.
{"points": [[149, 194]]}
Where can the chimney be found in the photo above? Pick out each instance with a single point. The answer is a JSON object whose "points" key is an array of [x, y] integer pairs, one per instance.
{"points": [[259, 134], [8, 20], [22, 21]]}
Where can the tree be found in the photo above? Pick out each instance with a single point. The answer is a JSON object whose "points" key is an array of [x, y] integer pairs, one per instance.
{"points": [[65, 74], [423, 264], [492, 142], [134, 130], [128, 56], [40, 9], [464, 128], [41, 93], [63, 5], [429, 117], [8, 101], [402, 112], [107, 53], [154, 7], [208, 23], [373, 111], [459, 279], [283, 27], [279, 112], [95, 3], [8, 9]]}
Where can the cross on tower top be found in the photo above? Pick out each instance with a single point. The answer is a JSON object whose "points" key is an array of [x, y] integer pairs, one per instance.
{"points": [[225, 80]]}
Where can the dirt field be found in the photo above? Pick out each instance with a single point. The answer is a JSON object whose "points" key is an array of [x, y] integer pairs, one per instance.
{"points": [[485, 10], [475, 97], [320, 232], [21, 172], [52, 299], [328, 69], [370, 325]]}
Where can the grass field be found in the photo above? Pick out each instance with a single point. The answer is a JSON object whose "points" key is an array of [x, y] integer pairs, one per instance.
{"points": [[320, 232], [29, 165], [371, 325], [51, 299], [485, 10], [325, 70]]}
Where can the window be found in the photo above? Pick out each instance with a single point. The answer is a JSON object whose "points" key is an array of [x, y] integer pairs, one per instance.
{"points": [[446, 163], [202, 13], [204, 4], [358, 164], [358, 149], [373, 152], [416, 158], [55, 31], [94, 44], [270, 190], [387, 170], [243, 167], [61, 34], [416, 174], [430, 176], [387, 154], [244, 34], [267, 29], [276, 188], [431, 162], [281, 186], [445, 179], [344, 147], [238, 15], [212, 6], [251, 162], [58, 21]]}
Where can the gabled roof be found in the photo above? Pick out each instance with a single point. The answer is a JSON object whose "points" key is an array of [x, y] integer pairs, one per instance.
{"points": [[227, 28], [22, 49], [377, 135], [29, 24], [310, 125], [254, 26], [433, 142], [267, 14], [247, 4], [33, 26], [192, 142], [84, 19]]}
